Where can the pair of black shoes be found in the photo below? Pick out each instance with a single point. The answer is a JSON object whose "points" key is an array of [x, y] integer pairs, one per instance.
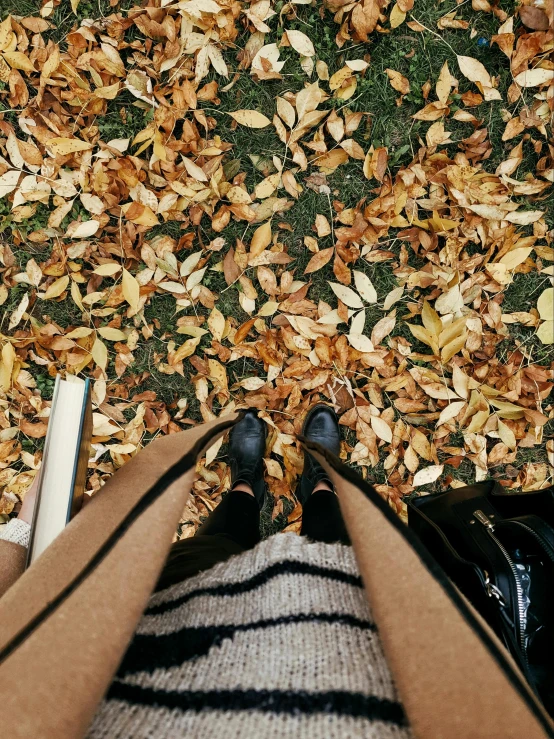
{"points": [[247, 446]]}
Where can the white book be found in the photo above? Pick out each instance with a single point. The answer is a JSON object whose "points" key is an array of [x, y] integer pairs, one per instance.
{"points": [[62, 475]]}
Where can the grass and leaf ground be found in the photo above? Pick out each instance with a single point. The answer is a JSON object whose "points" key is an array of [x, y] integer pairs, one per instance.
{"points": [[437, 384]]}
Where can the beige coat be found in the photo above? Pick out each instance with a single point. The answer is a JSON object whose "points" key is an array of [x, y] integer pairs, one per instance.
{"points": [[65, 623]]}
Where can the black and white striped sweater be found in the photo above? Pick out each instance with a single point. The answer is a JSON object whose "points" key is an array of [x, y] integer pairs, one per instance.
{"points": [[276, 642]]}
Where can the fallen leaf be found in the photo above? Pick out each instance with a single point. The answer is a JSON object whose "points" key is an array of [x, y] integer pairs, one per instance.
{"points": [[400, 83], [56, 288], [534, 77], [428, 475], [545, 304], [365, 287], [82, 230], [62, 146], [346, 295], [319, 260], [250, 118], [300, 43], [130, 289]]}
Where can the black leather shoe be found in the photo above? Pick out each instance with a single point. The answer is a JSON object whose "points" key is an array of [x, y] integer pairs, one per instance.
{"points": [[322, 426], [246, 454]]}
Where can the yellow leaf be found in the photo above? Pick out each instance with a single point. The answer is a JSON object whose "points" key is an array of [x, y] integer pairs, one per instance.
{"points": [[398, 82], [99, 353], [238, 195], [524, 217], [216, 324], [428, 475], [365, 287], [268, 309], [545, 304], [50, 65], [18, 60], [546, 332], [477, 422], [17, 315], [107, 92], [534, 77], [6, 366], [507, 435], [286, 111], [185, 350], [79, 333], [260, 239], [75, 5], [397, 17], [339, 77], [131, 290], [453, 347], [56, 288], [76, 295], [381, 428], [195, 331], [111, 334], [514, 258], [194, 170], [250, 118], [450, 412], [301, 43], [430, 319], [267, 187], [107, 270], [6, 34], [474, 70], [8, 182], [217, 374], [445, 83], [63, 146], [347, 295], [330, 161], [425, 336], [82, 230], [507, 410]]}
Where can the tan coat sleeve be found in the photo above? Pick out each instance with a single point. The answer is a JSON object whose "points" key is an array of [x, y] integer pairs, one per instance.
{"points": [[66, 622], [12, 563], [455, 678]]}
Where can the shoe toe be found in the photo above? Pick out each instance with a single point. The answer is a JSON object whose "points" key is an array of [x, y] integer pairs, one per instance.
{"points": [[248, 434], [322, 427]]}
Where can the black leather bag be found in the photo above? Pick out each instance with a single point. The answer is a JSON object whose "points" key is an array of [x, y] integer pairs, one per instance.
{"points": [[498, 548]]}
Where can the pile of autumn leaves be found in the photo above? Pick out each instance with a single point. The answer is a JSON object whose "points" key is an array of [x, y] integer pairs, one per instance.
{"points": [[401, 405]]}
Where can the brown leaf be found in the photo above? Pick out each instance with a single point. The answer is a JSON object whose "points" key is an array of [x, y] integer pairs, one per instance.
{"points": [[34, 430], [398, 81], [243, 331], [379, 163], [533, 17], [231, 269], [383, 328], [319, 260], [341, 271]]}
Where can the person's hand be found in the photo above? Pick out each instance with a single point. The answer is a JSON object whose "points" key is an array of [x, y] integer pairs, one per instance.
{"points": [[28, 505]]}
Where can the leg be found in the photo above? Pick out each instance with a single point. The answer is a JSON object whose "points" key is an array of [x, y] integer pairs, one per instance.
{"points": [[231, 528], [321, 516], [234, 525]]}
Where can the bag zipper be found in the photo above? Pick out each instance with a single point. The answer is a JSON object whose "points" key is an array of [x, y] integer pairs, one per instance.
{"points": [[542, 541], [489, 525]]}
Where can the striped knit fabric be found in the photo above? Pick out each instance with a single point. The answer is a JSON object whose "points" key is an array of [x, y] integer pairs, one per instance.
{"points": [[277, 642]]}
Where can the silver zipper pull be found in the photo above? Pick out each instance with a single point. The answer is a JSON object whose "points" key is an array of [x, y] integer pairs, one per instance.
{"points": [[485, 520], [494, 591]]}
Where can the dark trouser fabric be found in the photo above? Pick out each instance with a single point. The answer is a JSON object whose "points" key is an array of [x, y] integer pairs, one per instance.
{"points": [[234, 526]]}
